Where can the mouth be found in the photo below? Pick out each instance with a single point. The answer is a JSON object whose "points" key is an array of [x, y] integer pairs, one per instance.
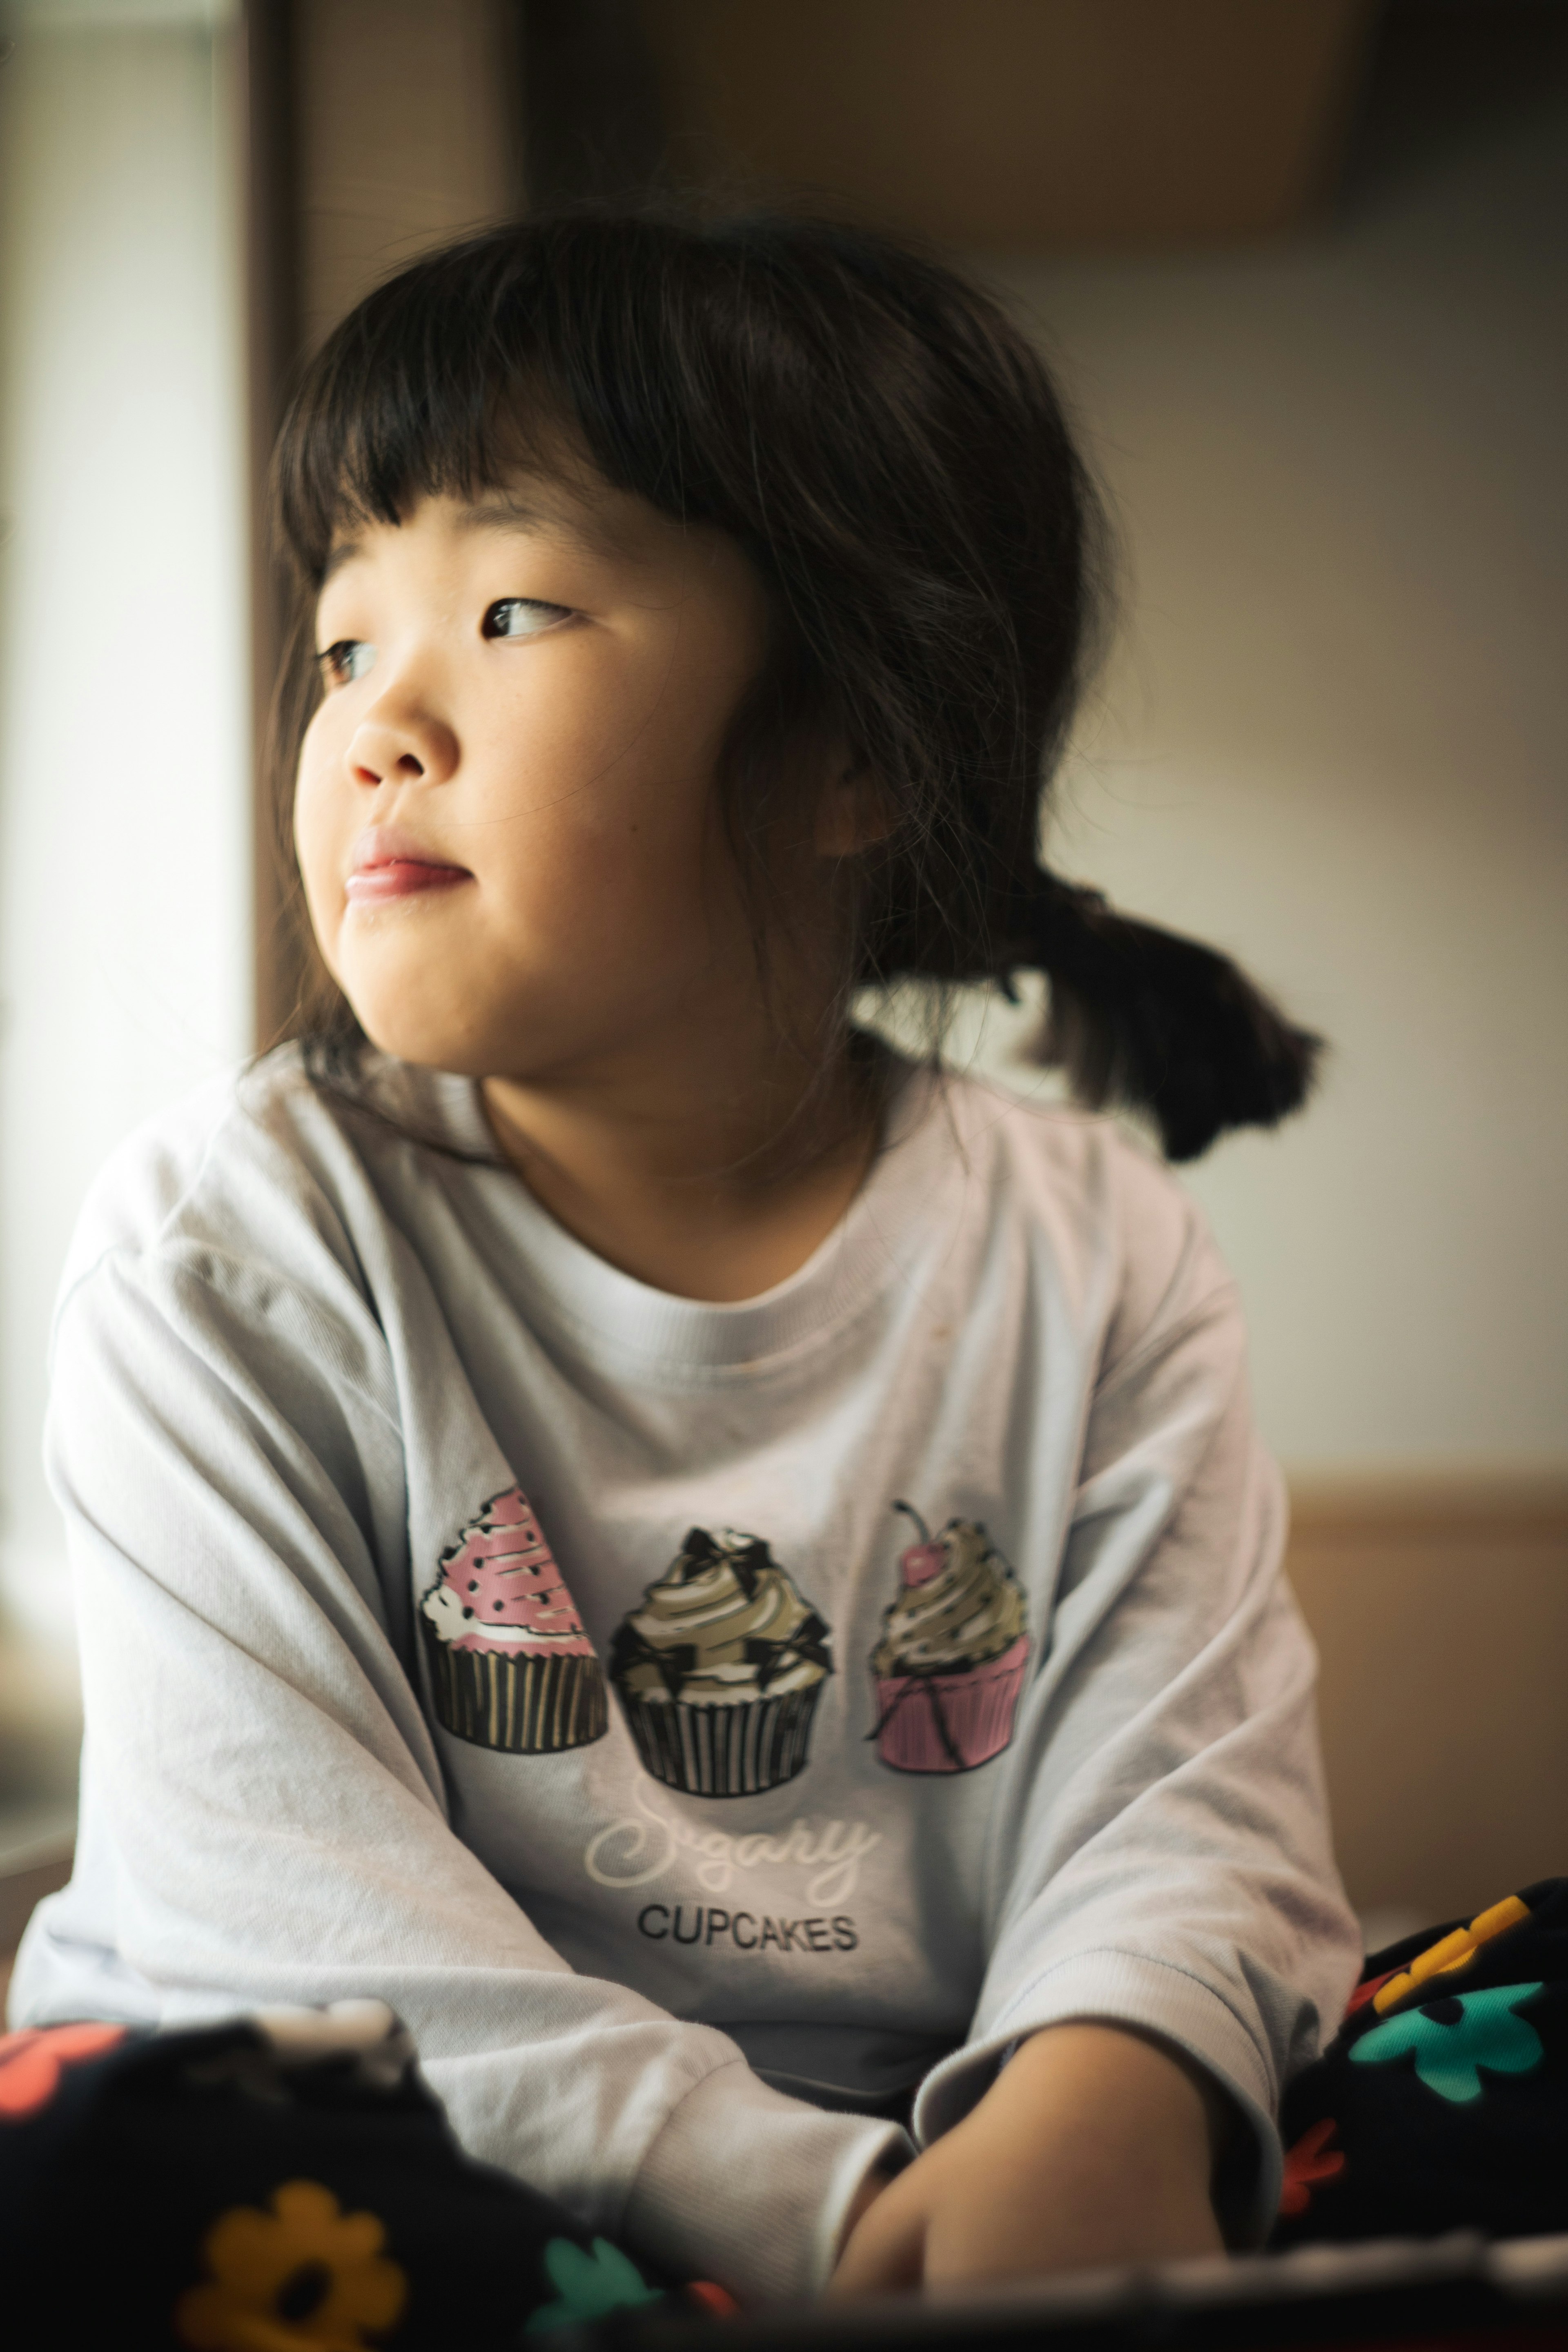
{"points": [[387, 866]]}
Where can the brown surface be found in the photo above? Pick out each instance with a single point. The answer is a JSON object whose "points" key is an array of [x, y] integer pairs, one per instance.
{"points": [[20, 1891], [1441, 1614], [1021, 125]]}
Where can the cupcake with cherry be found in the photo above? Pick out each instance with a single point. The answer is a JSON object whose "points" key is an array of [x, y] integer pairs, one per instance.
{"points": [[954, 1654]]}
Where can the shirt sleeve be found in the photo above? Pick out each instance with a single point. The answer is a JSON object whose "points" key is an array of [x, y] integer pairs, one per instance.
{"points": [[1166, 1863], [264, 1817]]}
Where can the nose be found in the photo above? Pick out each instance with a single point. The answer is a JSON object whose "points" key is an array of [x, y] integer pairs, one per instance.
{"points": [[401, 745]]}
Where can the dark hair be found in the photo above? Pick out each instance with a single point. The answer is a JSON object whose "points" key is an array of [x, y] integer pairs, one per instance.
{"points": [[887, 449]]}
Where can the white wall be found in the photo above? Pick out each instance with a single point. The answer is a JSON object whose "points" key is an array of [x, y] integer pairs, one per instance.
{"points": [[1333, 740], [124, 788]]}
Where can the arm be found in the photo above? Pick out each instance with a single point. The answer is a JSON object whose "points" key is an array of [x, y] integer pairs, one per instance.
{"points": [[1093, 2146], [265, 1818], [1161, 1881]]}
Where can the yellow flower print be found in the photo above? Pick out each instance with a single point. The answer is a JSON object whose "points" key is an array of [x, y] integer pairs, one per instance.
{"points": [[304, 2277]]}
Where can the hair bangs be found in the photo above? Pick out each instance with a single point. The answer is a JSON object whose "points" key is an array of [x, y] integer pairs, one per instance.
{"points": [[427, 390]]}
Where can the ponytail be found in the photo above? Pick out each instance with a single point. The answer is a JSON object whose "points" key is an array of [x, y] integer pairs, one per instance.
{"points": [[1145, 1018]]}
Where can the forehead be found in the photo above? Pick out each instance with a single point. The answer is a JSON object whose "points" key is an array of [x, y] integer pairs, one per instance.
{"points": [[584, 512]]}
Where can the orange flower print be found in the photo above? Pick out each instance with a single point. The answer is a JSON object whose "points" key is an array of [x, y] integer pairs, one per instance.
{"points": [[30, 2063], [1311, 2161], [304, 2277]]}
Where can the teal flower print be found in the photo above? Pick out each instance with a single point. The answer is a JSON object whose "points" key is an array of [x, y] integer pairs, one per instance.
{"points": [[1453, 2038], [588, 2285]]}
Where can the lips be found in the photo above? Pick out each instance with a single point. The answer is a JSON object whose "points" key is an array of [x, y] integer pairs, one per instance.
{"points": [[389, 863]]}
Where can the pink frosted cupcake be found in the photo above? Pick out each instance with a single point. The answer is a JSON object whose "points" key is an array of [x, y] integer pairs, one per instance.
{"points": [[952, 1655], [510, 1665]]}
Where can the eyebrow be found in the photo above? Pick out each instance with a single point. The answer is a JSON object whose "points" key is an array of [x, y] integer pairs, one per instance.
{"points": [[343, 552], [504, 510], [516, 510]]}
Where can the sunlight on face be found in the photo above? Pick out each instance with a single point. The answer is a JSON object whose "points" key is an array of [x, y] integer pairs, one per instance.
{"points": [[506, 817]]}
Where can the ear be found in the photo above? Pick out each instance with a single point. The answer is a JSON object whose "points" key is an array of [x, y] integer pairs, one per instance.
{"points": [[855, 811]]}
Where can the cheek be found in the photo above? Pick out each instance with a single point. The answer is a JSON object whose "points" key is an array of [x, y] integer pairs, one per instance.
{"points": [[595, 889], [319, 823], [602, 823]]}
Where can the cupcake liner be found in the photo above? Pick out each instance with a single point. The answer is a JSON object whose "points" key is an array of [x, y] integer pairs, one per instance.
{"points": [[950, 1722], [523, 1706], [739, 1750]]}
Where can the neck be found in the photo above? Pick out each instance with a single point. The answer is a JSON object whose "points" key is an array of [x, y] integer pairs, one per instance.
{"points": [[704, 1174]]}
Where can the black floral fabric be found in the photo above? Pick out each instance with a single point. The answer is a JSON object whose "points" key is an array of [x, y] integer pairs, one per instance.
{"points": [[1441, 2103], [283, 2181]]}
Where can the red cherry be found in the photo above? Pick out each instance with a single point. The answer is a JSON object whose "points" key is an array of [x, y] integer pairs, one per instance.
{"points": [[922, 1562]]}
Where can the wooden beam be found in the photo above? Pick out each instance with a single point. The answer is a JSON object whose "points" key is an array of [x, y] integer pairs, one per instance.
{"points": [[410, 131], [1022, 125], [272, 334]]}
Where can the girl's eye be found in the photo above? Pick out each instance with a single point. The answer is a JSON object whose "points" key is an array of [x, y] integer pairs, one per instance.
{"points": [[520, 617], [350, 659]]}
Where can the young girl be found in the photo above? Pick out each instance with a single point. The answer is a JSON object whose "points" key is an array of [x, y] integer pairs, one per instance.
{"points": [[726, 1575]]}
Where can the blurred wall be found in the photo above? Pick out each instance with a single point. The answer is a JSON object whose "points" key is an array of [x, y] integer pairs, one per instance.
{"points": [[124, 759], [1332, 738]]}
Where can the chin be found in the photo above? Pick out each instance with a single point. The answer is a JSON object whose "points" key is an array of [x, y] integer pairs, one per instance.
{"points": [[440, 1039], [427, 1047], [431, 1044], [408, 1021], [473, 1032]]}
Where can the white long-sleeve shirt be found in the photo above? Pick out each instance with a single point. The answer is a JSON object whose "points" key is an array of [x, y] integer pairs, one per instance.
{"points": [[316, 1384]]}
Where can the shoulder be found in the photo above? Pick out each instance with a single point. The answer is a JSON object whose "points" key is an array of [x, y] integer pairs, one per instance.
{"points": [[219, 1304], [1121, 1225], [256, 1179], [229, 1139], [1079, 1168], [252, 1235]]}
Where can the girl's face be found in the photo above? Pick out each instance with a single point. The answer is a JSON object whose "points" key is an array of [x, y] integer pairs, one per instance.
{"points": [[506, 816]]}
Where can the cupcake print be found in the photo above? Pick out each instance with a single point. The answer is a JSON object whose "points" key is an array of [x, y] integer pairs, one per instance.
{"points": [[954, 1646], [720, 1671], [510, 1665]]}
